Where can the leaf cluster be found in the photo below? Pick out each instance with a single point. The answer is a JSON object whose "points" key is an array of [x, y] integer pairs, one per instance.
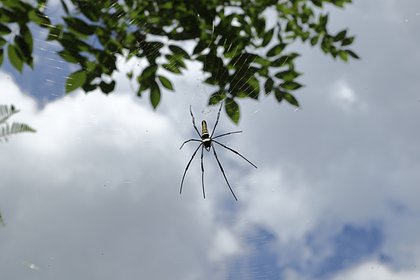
{"points": [[242, 55], [19, 44]]}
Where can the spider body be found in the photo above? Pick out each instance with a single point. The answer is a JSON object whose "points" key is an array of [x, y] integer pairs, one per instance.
{"points": [[206, 142], [205, 136]]}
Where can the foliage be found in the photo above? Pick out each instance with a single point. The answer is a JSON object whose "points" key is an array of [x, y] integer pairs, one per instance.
{"points": [[5, 129], [242, 55]]}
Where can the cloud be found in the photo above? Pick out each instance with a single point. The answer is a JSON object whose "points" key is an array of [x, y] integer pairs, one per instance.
{"points": [[344, 97], [376, 270], [327, 170], [94, 194]]}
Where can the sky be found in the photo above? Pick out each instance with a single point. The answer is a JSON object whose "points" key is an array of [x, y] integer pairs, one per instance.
{"points": [[94, 193]]}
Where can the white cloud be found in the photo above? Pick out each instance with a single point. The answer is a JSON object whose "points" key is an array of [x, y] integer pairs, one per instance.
{"points": [[284, 203], [225, 245], [344, 97], [96, 189], [329, 169], [377, 270]]}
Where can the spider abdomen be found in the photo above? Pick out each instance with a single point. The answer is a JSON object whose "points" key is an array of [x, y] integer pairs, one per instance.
{"points": [[204, 130], [205, 136]]}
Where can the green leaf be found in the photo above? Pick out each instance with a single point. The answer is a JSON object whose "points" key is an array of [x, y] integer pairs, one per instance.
{"points": [[4, 29], [240, 94], [283, 60], [171, 68], [107, 87], [24, 49], [27, 37], [179, 51], [291, 99], [155, 95], [267, 37], [276, 50], [201, 45], [145, 84], [290, 26], [268, 86], [232, 110], [165, 82], [168, 5], [352, 54], [152, 48], [252, 88], [14, 57], [140, 91], [343, 55], [1, 56], [340, 36], [262, 61], [347, 41], [216, 97], [70, 56], [38, 18], [288, 75], [290, 85], [176, 61], [323, 20], [278, 94], [149, 71], [55, 33], [16, 5], [305, 36], [80, 26], [260, 25], [7, 16], [66, 9], [211, 81], [107, 61], [314, 40], [75, 80]]}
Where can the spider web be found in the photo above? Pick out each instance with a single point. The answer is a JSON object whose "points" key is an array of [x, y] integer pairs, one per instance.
{"points": [[259, 259], [48, 83], [56, 71]]}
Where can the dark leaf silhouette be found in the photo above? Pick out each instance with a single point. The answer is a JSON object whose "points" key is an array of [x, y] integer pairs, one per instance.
{"points": [[240, 52]]}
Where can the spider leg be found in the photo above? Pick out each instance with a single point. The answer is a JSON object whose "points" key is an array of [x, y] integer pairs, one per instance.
{"points": [[217, 120], [193, 121], [223, 172], [202, 172], [233, 151], [188, 165], [196, 140], [224, 134]]}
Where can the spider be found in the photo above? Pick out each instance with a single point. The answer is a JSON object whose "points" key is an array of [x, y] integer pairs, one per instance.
{"points": [[207, 142]]}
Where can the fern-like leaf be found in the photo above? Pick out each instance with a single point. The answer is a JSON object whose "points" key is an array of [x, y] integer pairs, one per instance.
{"points": [[7, 130], [6, 112]]}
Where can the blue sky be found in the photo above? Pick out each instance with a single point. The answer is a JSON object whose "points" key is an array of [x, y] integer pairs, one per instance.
{"points": [[94, 193]]}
